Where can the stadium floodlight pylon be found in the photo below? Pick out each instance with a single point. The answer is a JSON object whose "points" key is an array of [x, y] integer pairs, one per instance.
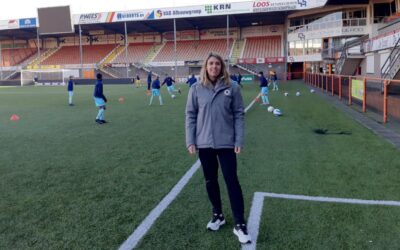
{"points": [[47, 77]]}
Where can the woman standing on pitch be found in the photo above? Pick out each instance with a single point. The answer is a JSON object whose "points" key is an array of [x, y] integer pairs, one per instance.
{"points": [[215, 126]]}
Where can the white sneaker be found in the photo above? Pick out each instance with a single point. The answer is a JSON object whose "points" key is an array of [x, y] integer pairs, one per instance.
{"points": [[240, 230], [216, 222]]}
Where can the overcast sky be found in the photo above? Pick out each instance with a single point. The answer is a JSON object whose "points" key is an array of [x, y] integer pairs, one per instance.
{"points": [[28, 8]]}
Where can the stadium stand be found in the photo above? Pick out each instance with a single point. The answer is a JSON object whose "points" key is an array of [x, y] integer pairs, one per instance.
{"points": [[262, 47], [192, 50], [13, 57], [136, 53], [70, 54]]}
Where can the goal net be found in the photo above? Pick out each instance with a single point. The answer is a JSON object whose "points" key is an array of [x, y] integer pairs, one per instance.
{"points": [[47, 77]]}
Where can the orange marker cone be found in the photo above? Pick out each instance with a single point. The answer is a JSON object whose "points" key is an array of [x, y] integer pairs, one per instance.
{"points": [[14, 118]]}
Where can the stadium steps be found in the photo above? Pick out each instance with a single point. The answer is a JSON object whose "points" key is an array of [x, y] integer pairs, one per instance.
{"points": [[153, 53], [237, 50], [350, 66], [109, 58], [352, 51], [23, 65], [391, 67], [35, 63], [112, 55], [247, 69], [109, 71], [148, 69]]}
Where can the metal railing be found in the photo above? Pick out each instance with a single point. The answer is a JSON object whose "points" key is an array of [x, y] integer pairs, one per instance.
{"points": [[345, 48], [360, 90], [392, 63]]}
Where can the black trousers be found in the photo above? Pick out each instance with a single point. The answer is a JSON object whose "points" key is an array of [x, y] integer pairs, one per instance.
{"points": [[227, 158]]}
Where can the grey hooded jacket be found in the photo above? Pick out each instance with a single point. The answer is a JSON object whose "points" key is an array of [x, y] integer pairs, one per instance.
{"points": [[215, 116]]}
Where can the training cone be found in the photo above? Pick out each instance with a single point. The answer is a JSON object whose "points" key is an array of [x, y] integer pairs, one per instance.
{"points": [[257, 99], [121, 99], [14, 118]]}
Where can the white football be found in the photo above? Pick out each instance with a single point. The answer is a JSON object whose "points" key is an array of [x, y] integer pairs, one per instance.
{"points": [[286, 94], [277, 112], [312, 90], [297, 93], [173, 96], [270, 109]]}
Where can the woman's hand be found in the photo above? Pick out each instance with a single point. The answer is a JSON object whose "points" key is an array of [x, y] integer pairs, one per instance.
{"points": [[192, 149], [238, 150]]}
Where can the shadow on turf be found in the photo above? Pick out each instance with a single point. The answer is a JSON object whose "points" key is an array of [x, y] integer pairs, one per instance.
{"points": [[324, 131]]}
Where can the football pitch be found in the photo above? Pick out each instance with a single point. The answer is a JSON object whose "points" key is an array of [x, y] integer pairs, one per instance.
{"points": [[69, 183]]}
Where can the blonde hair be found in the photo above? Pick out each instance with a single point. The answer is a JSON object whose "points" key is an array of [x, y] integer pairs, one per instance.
{"points": [[205, 79]]}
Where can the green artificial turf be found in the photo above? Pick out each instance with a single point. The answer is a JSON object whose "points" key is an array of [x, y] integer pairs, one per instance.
{"points": [[67, 182]]}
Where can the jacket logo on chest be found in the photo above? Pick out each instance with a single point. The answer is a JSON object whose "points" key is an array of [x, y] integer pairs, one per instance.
{"points": [[227, 92]]}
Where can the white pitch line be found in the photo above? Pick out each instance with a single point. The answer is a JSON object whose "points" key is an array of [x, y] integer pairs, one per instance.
{"points": [[140, 231], [258, 203], [333, 199], [254, 220], [252, 103], [146, 224]]}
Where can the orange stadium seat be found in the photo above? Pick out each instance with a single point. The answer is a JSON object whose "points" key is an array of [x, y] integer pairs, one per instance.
{"points": [[13, 57], [192, 50], [70, 54], [136, 53], [263, 47]]}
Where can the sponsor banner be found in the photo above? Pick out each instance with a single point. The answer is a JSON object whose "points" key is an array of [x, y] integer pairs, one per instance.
{"points": [[382, 42], [167, 64], [204, 10], [49, 83], [247, 79], [104, 17], [219, 33], [9, 24], [27, 23], [261, 60], [247, 60], [124, 16], [332, 32], [165, 13], [119, 65], [198, 11], [305, 58], [357, 89], [179, 12], [279, 5], [256, 31], [274, 60], [228, 8], [13, 68]]}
